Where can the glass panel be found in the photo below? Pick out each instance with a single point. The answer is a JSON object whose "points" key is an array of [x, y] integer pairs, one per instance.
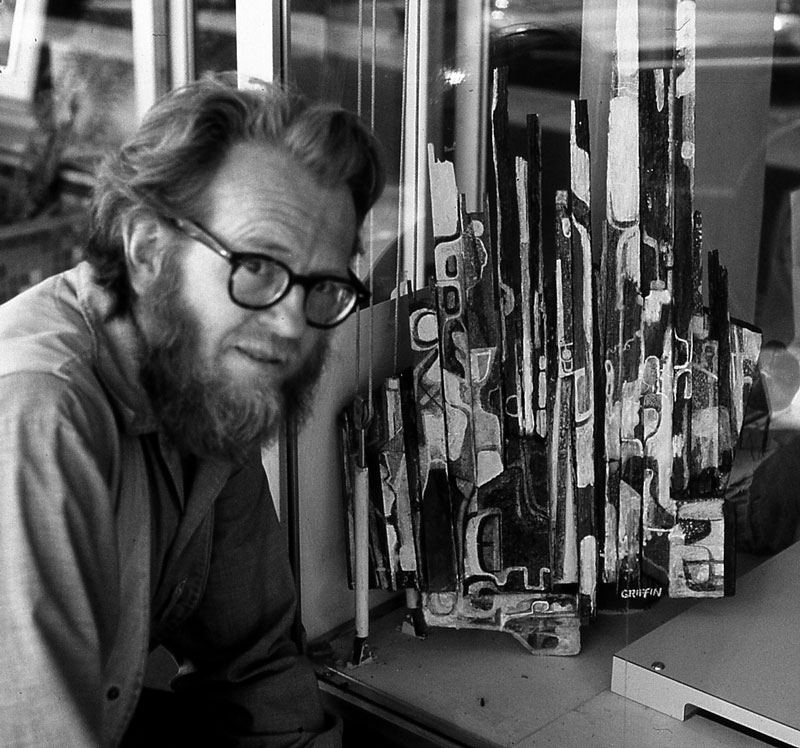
{"points": [[539, 41], [6, 19], [91, 53], [215, 36], [331, 59], [770, 456], [747, 167], [743, 155], [445, 50]]}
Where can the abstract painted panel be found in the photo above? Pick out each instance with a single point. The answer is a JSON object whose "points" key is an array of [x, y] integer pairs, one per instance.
{"points": [[563, 439]]}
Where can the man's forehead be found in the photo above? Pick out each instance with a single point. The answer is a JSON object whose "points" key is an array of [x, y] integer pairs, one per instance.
{"points": [[274, 171], [262, 193]]}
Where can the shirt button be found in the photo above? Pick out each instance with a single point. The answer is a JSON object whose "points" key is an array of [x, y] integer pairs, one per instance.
{"points": [[113, 693]]}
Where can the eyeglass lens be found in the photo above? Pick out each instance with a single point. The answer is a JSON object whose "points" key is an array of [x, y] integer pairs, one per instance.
{"points": [[262, 282]]}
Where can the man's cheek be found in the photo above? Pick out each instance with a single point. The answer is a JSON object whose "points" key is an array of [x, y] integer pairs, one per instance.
{"points": [[318, 354]]}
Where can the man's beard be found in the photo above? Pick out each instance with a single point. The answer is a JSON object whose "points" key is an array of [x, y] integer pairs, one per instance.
{"points": [[200, 409]]}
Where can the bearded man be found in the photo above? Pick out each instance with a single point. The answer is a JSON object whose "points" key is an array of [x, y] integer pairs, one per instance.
{"points": [[135, 393]]}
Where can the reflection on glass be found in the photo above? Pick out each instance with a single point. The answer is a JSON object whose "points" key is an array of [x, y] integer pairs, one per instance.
{"points": [[748, 162], [215, 36], [393, 69], [337, 54], [91, 57], [6, 21]]}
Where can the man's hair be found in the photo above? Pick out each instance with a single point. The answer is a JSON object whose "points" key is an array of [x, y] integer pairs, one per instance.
{"points": [[175, 153]]}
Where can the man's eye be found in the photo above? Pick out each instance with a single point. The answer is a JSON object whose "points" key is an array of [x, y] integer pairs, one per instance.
{"points": [[257, 266], [327, 286], [333, 288]]}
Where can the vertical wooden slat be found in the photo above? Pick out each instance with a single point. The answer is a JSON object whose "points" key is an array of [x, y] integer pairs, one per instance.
{"points": [[657, 281], [537, 460], [624, 350], [516, 298], [410, 417], [454, 347], [686, 261], [494, 514], [583, 377], [507, 245], [562, 487], [440, 563]]}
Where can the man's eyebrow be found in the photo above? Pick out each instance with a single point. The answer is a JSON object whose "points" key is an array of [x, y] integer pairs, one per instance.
{"points": [[256, 243]]}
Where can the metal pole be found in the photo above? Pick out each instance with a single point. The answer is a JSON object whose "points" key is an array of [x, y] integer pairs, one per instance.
{"points": [[293, 525]]}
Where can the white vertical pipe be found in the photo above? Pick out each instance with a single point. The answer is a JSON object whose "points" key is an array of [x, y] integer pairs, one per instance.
{"points": [[423, 199], [181, 41], [472, 61], [259, 34], [361, 542], [18, 78], [794, 208], [145, 69], [415, 128], [409, 144]]}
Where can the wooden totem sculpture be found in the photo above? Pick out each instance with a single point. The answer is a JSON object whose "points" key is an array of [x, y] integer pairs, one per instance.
{"points": [[566, 437]]}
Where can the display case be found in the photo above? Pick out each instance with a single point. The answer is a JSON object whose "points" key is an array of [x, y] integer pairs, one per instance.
{"points": [[425, 76], [460, 93]]}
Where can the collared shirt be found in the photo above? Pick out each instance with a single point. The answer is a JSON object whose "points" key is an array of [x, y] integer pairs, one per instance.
{"points": [[104, 553]]}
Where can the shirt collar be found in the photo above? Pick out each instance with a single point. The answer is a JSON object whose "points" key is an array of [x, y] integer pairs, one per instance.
{"points": [[118, 353]]}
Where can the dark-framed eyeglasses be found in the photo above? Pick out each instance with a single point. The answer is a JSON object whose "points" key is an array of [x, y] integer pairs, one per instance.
{"points": [[258, 281]]}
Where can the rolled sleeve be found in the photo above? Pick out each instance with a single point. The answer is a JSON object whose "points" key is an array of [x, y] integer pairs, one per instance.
{"points": [[59, 594]]}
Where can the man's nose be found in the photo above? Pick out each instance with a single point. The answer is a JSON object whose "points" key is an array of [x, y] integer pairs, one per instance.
{"points": [[288, 316]]}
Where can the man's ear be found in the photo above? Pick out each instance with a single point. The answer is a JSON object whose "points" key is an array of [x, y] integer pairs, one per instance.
{"points": [[145, 244]]}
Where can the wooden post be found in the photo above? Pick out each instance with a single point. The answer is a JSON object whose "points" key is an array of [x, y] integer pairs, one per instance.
{"points": [[624, 449], [562, 486], [583, 336], [436, 512], [657, 373], [685, 269]]}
